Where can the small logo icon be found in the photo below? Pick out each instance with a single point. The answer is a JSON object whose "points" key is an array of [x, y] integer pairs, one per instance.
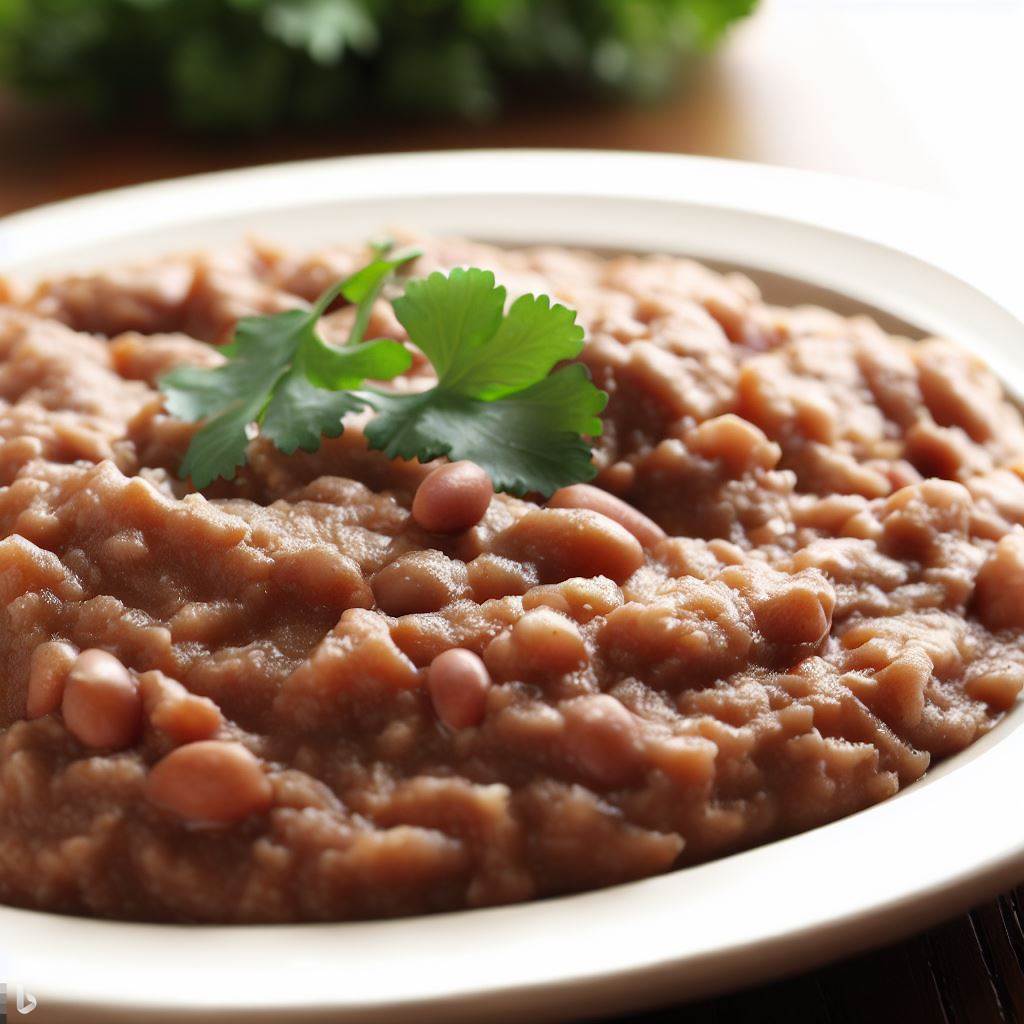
{"points": [[25, 1000]]}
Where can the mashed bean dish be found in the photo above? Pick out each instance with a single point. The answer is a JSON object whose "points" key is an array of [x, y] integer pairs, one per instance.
{"points": [[366, 583]]}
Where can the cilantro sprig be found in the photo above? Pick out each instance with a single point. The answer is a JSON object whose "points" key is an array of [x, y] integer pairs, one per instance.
{"points": [[282, 380], [499, 400], [496, 401]]}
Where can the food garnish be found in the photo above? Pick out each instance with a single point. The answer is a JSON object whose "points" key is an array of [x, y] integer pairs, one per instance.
{"points": [[499, 400]]}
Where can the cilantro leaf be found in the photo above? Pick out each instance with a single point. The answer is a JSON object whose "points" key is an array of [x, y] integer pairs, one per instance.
{"points": [[275, 379], [494, 403], [363, 287], [458, 324], [499, 400], [527, 441], [300, 414], [451, 318], [223, 448], [532, 338]]}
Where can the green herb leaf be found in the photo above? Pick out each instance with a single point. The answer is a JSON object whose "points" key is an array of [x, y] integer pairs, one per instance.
{"points": [[453, 317], [274, 380], [366, 284], [532, 338], [497, 401], [494, 402], [222, 448], [527, 441]]}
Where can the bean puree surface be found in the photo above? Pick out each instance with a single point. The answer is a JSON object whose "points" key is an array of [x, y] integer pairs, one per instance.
{"points": [[323, 691]]}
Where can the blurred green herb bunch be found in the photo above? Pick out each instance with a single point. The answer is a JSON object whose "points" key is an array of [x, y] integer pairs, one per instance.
{"points": [[246, 65]]}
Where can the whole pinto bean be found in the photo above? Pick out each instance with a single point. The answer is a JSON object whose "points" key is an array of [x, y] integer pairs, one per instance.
{"points": [[458, 682], [566, 542], [101, 705], [453, 498], [647, 531], [211, 782]]}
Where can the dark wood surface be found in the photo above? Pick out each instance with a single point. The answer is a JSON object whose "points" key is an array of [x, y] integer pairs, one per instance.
{"points": [[967, 971]]}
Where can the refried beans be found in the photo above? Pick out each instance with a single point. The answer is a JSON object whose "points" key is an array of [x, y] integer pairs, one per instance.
{"points": [[797, 579]]}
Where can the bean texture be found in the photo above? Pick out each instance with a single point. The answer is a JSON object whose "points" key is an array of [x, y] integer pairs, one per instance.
{"points": [[548, 641], [602, 736], [51, 663]]}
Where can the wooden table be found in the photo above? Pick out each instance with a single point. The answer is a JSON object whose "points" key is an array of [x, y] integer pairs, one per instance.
{"points": [[969, 971], [859, 89]]}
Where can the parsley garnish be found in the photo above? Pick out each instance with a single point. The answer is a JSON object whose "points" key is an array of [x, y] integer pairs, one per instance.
{"points": [[498, 400]]}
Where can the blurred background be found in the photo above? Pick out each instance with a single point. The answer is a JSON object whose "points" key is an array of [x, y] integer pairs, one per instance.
{"points": [[99, 93]]}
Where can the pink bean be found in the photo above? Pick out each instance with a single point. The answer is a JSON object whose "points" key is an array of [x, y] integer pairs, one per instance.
{"points": [[212, 782], [647, 531], [453, 498], [102, 706], [458, 682]]}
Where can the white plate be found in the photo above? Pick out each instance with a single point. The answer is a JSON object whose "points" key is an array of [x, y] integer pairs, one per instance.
{"points": [[954, 838]]}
